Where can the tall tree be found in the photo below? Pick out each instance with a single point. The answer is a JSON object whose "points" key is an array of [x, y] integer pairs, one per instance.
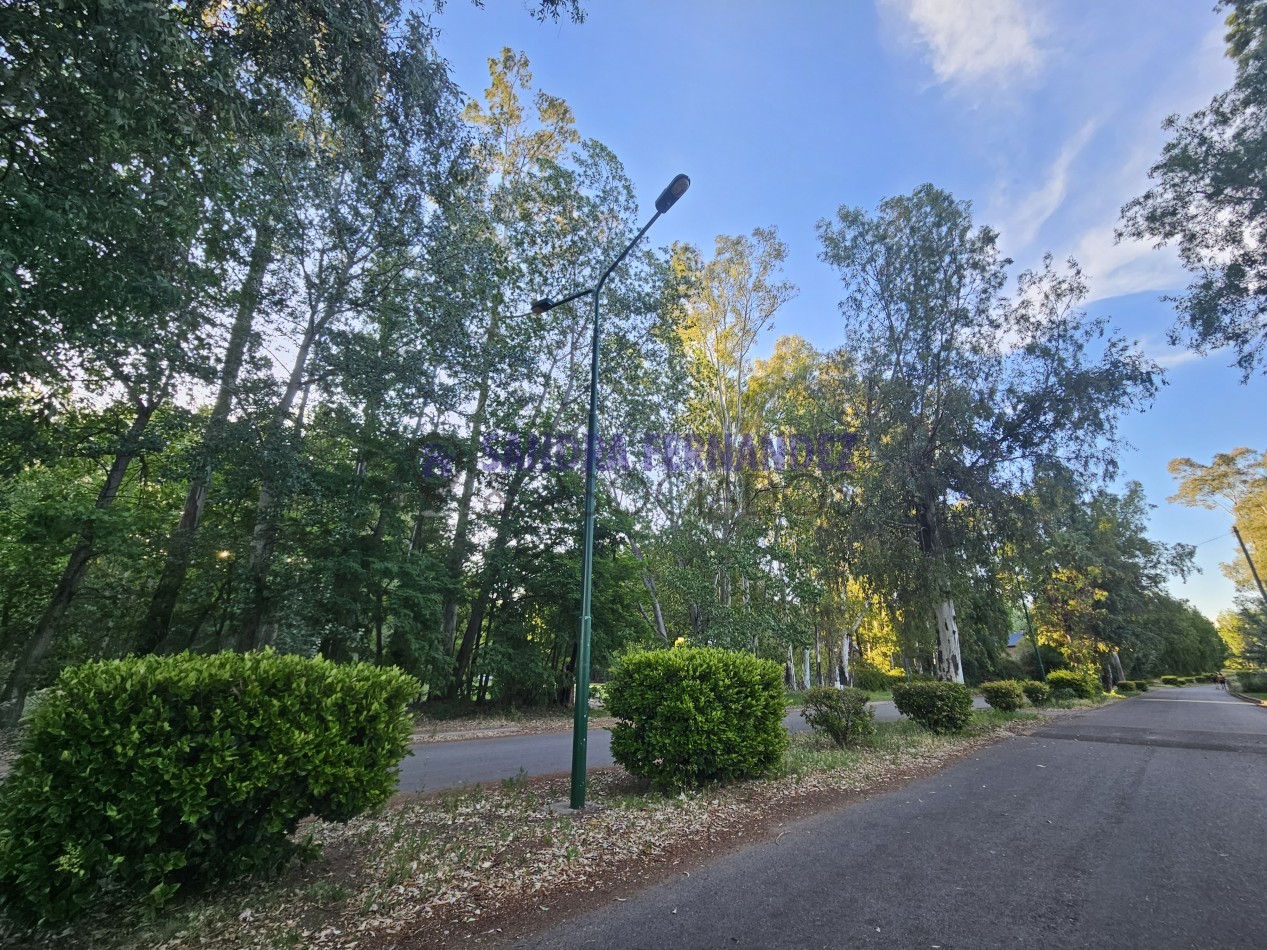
{"points": [[965, 392], [1210, 200], [1235, 482]]}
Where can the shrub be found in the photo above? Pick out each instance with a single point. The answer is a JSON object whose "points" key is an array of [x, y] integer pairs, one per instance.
{"points": [[1141, 686], [1082, 685], [1005, 695], [1062, 695], [841, 713], [146, 774], [871, 679], [1170, 681], [1252, 682], [1125, 686], [1036, 692], [693, 715], [940, 707]]}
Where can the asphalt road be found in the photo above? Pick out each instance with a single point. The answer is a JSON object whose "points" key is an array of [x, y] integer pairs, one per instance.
{"points": [[1138, 825], [437, 766]]}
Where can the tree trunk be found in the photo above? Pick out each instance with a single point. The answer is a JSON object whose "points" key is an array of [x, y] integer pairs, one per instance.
{"points": [[458, 553], [488, 580], [949, 663], [264, 536], [38, 646], [648, 581], [158, 619], [805, 658], [1118, 674]]}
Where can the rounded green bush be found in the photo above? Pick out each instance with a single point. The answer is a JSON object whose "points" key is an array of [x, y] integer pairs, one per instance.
{"points": [[1004, 695], [939, 707], [1082, 684], [1170, 681], [141, 775], [1036, 692], [1141, 686], [694, 715], [843, 714], [1125, 686]]}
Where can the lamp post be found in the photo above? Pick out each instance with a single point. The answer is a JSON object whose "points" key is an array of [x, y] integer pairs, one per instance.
{"points": [[580, 718]]}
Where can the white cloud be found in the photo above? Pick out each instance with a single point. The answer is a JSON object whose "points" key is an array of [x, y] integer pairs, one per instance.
{"points": [[1021, 218], [970, 40], [1116, 268]]}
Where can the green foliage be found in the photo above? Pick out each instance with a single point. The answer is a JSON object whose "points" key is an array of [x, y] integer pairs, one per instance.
{"points": [[142, 775], [842, 714], [1170, 681], [689, 716], [1062, 696], [1082, 684], [1141, 686], [1125, 686], [1036, 692], [871, 679], [1005, 695], [1252, 682], [939, 707], [1204, 201]]}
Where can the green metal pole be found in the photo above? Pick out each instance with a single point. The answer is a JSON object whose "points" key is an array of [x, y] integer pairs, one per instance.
{"points": [[581, 702]]}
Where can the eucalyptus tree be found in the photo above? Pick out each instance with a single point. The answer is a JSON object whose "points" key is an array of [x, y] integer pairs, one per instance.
{"points": [[1098, 578], [719, 556], [363, 196], [964, 394], [556, 211], [1208, 200], [1235, 482]]}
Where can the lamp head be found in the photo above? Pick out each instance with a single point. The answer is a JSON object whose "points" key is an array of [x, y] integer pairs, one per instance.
{"points": [[668, 197], [541, 306]]}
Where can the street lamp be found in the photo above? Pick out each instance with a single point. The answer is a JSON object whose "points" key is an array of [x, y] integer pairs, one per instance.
{"points": [[580, 719]]}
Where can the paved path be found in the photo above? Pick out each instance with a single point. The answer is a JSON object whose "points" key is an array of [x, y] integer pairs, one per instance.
{"points": [[1139, 825], [436, 766]]}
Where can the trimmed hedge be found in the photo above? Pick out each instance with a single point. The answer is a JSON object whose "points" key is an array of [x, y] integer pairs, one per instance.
{"points": [[1082, 685], [940, 707], [1170, 681], [842, 714], [139, 776], [1141, 686], [695, 715], [1036, 692], [1125, 686], [1004, 695]]}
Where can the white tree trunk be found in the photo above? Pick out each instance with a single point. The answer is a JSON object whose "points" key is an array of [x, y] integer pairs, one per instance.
{"points": [[846, 647], [791, 668], [807, 676], [1118, 674], [949, 659]]}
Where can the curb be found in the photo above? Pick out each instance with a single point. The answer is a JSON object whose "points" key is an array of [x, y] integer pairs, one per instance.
{"points": [[1248, 699]]}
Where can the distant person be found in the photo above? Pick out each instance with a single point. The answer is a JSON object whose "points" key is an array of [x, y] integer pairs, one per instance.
{"points": [[1221, 680]]}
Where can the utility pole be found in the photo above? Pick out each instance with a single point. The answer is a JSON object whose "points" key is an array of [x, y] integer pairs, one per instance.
{"points": [[1249, 560]]}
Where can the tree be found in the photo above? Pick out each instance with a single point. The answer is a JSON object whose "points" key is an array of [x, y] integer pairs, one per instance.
{"points": [[965, 395], [1235, 482], [1210, 199]]}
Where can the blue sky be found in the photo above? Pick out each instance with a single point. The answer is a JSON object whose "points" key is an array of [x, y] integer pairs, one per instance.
{"points": [[1046, 114]]}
